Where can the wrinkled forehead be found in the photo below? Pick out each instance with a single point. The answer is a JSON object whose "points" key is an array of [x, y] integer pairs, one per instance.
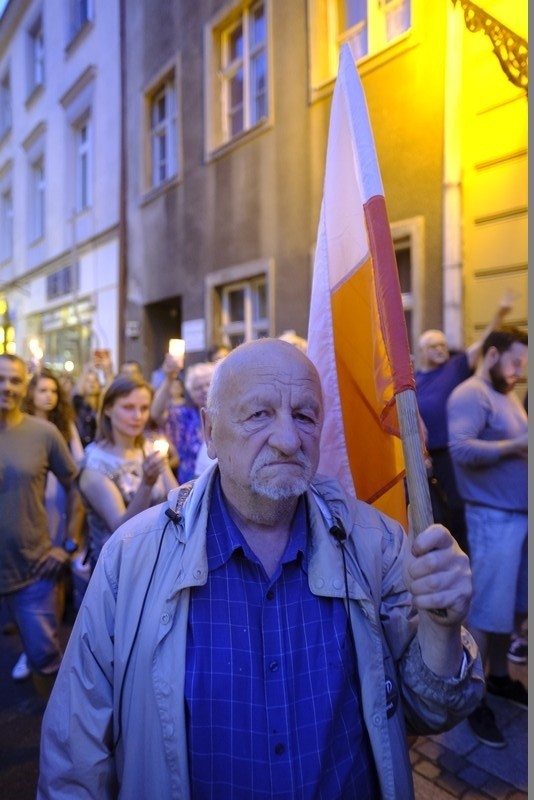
{"points": [[295, 384]]}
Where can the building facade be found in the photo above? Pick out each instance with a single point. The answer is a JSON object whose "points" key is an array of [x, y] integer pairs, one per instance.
{"points": [[59, 179], [206, 126], [227, 117]]}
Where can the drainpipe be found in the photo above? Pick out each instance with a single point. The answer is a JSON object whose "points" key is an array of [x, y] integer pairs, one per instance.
{"points": [[123, 184], [452, 186]]}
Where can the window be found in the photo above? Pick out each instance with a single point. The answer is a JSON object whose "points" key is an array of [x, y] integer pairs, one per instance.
{"points": [[36, 55], [408, 241], [404, 263], [370, 25], [163, 133], [37, 208], [61, 282], [238, 70], [83, 153], [81, 12], [244, 311], [78, 102], [6, 225], [5, 104], [367, 26]]}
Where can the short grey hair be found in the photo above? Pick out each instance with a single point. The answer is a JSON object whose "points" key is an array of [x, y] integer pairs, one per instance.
{"points": [[201, 368]]}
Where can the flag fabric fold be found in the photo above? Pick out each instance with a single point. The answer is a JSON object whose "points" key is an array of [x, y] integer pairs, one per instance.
{"points": [[357, 334]]}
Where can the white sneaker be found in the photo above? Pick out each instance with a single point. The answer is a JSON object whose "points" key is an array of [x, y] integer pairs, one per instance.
{"points": [[21, 670]]}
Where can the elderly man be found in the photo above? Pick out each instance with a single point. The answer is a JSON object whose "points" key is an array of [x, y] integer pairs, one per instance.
{"points": [[263, 635]]}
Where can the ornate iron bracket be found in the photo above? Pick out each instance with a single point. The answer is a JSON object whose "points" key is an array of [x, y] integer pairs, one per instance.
{"points": [[510, 49]]}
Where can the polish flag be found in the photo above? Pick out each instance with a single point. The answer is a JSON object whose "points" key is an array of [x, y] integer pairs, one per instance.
{"points": [[357, 333]]}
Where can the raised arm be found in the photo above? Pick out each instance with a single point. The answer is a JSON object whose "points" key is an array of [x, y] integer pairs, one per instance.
{"points": [[171, 367], [505, 306]]}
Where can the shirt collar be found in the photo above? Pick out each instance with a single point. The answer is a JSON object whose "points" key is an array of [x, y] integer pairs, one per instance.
{"points": [[224, 536]]}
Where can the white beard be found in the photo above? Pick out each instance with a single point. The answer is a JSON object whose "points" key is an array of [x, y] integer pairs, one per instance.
{"points": [[273, 489]]}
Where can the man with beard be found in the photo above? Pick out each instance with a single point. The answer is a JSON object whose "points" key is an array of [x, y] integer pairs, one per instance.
{"points": [[488, 439], [439, 373], [262, 635]]}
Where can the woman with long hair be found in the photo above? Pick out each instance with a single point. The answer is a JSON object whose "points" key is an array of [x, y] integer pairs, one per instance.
{"points": [[46, 399], [123, 473]]}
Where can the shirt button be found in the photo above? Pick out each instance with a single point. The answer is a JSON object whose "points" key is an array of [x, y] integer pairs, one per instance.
{"points": [[270, 595], [197, 574], [337, 583], [165, 617], [377, 719], [273, 666], [279, 749]]}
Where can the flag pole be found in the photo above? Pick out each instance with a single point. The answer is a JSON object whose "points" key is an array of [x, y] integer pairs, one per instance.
{"points": [[420, 506]]}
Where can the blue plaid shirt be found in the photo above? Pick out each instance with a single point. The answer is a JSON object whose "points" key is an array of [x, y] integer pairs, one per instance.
{"points": [[271, 687]]}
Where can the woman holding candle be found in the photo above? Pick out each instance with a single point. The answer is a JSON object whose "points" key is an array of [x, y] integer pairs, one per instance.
{"points": [[123, 472]]}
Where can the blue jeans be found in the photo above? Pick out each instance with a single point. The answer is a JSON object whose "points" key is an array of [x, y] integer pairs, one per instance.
{"points": [[498, 563], [34, 609]]}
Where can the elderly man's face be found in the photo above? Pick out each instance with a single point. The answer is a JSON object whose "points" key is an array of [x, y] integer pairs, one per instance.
{"points": [[434, 352], [267, 430]]}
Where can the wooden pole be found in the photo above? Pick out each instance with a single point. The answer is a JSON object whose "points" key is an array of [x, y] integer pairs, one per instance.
{"points": [[420, 509]]}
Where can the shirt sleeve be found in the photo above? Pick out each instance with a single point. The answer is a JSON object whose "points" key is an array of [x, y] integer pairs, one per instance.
{"points": [[60, 460], [468, 413]]}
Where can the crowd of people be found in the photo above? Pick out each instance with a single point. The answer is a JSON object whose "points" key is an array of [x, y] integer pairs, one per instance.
{"points": [[103, 454], [248, 627]]}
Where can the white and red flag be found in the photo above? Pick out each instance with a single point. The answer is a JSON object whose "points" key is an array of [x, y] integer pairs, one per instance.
{"points": [[357, 333]]}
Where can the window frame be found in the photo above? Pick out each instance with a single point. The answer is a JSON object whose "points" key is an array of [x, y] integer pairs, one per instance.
{"points": [[252, 326], [163, 130], [6, 104], [36, 55], [83, 158], [325, 38], [81, 15], [6, 222], [77, 103], [411, 233], [248, 277], [221, 68], [37, 198], [167, 82]]}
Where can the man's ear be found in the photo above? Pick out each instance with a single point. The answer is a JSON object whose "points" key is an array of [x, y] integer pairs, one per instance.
{"points": [[207, 428], [492, 356]]}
